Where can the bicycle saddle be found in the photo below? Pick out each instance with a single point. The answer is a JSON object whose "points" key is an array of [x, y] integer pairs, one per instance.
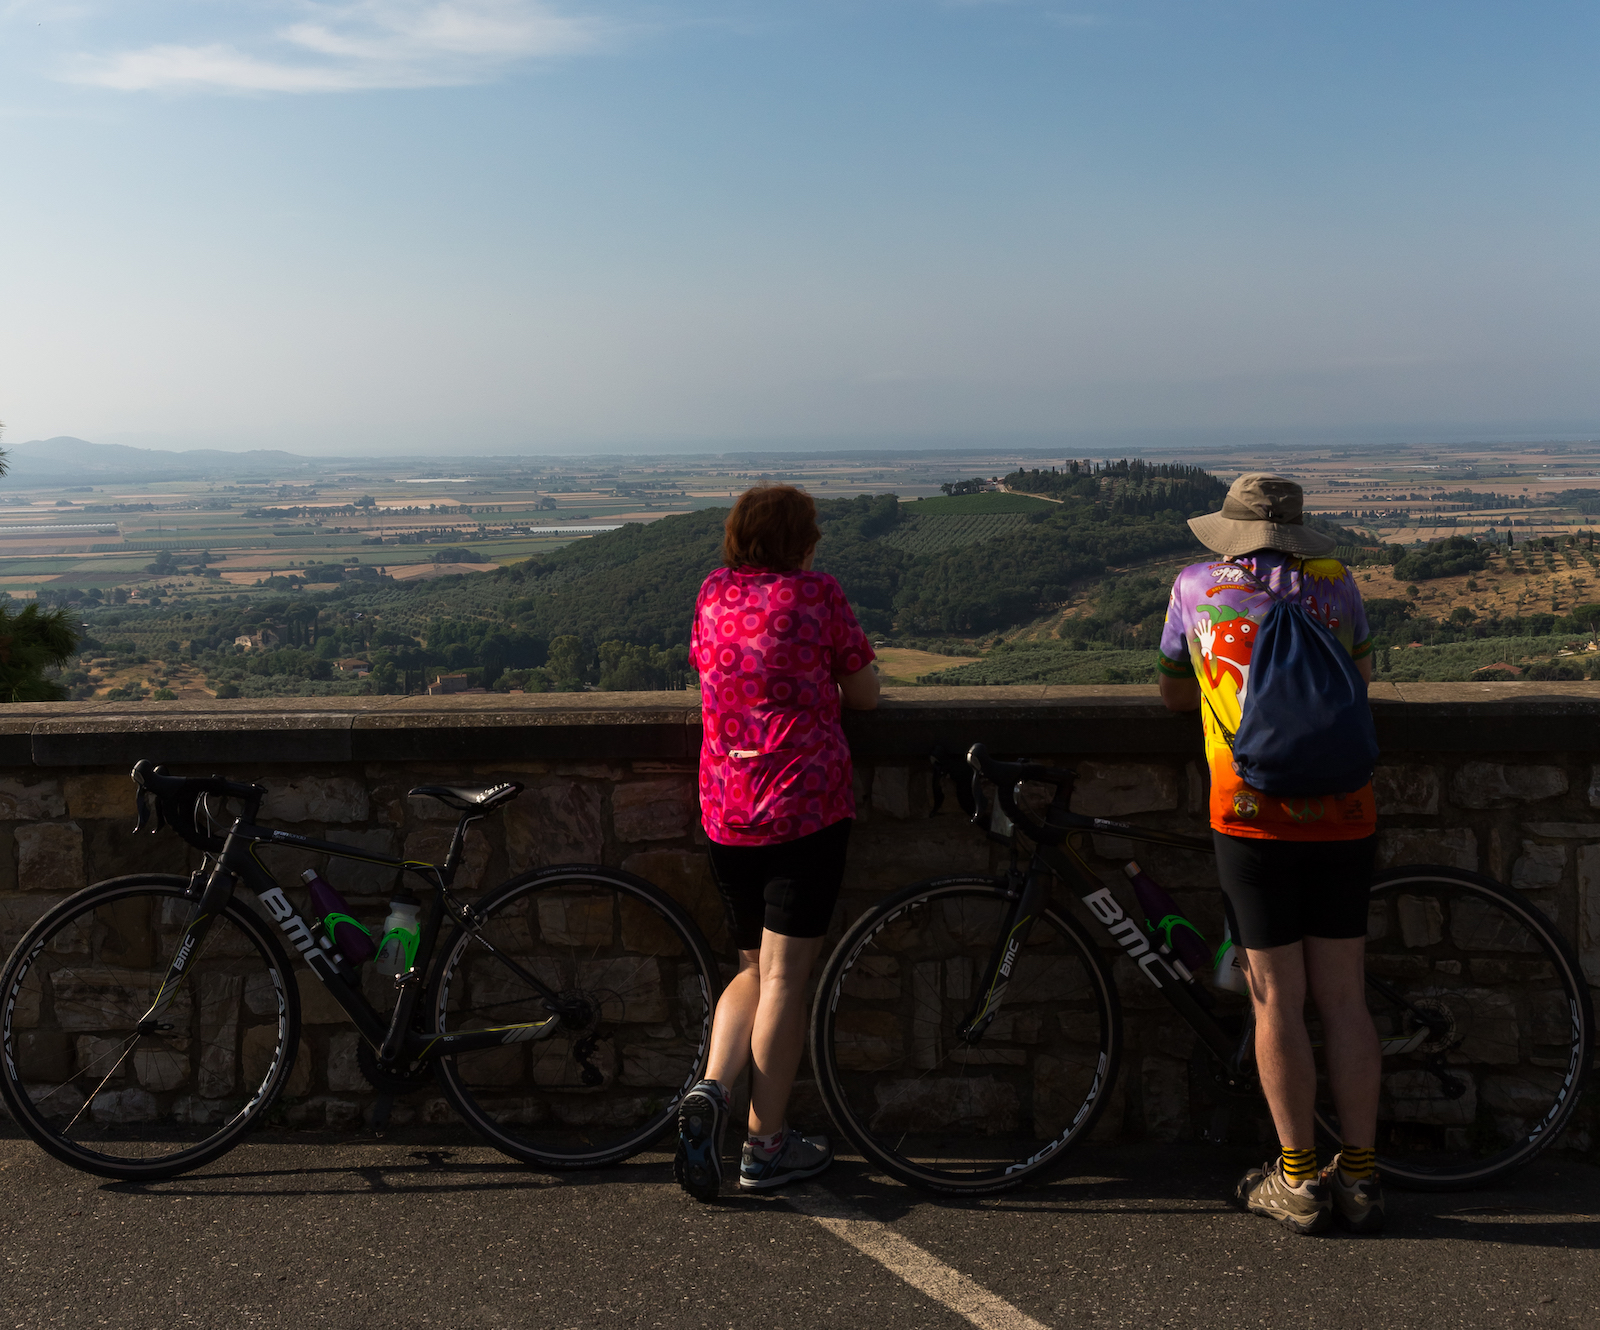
{"points": [[471, 798]]}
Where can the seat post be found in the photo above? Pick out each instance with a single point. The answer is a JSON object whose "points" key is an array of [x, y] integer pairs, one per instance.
{"points": [[457, 842]]}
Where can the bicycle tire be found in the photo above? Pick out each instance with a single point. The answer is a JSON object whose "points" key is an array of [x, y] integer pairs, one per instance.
{"points": [[106, 1098], [649, 982], [1048, 1063], [1495, 1090]]}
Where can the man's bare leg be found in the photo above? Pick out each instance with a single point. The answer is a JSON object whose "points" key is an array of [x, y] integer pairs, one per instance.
{"points": [[1336, 973], [1283, 1048]]}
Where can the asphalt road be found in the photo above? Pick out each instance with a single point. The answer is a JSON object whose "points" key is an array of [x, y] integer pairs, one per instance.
{"points": [[308, 1232]]}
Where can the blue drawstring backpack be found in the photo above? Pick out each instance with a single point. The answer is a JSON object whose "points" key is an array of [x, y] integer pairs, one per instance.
{"points": [[1305, 728]]}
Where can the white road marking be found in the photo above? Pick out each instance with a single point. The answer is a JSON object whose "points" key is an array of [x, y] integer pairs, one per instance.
{"points": [[900, 1256]]}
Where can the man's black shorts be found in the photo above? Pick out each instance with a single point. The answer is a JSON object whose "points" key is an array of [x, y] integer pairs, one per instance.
{"points": [[1280, 891], [789, 888]]}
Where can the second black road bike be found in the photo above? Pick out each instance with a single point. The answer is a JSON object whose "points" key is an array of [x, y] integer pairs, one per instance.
{"points": [[967, 1030]]}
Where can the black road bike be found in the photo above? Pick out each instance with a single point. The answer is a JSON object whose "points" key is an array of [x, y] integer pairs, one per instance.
{"points": [[149, 1021], [967, 1032]]}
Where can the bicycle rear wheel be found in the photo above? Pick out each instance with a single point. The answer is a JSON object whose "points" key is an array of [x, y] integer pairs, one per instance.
{"points": [[608, 1081], [917, 1100], [1496, 1085], [103, 1089]]}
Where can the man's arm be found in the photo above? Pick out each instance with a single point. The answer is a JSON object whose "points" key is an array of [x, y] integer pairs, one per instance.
{"points": [[1181, 694], [1364, 668]]}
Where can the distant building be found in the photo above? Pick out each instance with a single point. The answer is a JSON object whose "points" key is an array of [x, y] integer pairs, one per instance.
{"points": [[448, 683], [358, 668], [265, 640]]}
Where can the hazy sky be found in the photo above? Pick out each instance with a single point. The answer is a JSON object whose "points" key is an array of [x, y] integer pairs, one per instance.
{"points": [[496, 225]]}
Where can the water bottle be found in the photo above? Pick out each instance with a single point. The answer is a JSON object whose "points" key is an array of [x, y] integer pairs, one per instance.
{"points": [[350, 936], [401, 931], [1230, 975], [1162, 917]]}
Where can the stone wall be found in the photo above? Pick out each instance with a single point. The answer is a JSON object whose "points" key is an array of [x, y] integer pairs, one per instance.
{"points": [[1501, 778]]}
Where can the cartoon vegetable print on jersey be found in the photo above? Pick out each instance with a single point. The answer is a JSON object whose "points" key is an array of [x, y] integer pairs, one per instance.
{"points": [[1226, 639]]}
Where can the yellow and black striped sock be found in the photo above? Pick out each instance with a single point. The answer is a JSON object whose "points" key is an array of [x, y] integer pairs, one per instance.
{"points": [[1355, 1164], [1300, 1166]]}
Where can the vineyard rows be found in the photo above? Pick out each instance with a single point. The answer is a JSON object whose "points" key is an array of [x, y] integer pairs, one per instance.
{"points": [[930, 534]]}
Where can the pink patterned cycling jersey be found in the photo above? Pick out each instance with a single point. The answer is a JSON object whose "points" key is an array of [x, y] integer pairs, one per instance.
{"points": [[774, 764]]}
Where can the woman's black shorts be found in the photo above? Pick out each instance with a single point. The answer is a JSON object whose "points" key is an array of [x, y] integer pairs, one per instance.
{"points": [[789, 888], [1280, 891]]}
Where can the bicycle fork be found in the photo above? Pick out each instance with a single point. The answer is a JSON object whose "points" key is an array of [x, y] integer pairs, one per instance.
{"points": [[1032, 894]]}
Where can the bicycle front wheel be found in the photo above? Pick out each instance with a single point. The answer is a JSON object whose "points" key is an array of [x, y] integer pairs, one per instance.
{"points": [[1498, 1075], [104, 1089], [925, 1105], [642, 984]]}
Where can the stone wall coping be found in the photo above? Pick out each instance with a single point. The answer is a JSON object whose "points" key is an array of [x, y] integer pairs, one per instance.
{"points": [[1058, 719]]}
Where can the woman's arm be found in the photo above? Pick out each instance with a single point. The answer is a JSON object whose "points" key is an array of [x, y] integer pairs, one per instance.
{"points": [[859, 690]]}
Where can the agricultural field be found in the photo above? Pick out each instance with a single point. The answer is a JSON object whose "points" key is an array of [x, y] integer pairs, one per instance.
{"points": [[927, 533], [905, 665]]}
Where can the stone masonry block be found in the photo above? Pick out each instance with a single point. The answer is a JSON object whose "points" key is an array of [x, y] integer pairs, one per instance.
{"points": [[1589, 910], [1407, 788], [344, 1072], [1164, 1089], [902, 792], [50, 857], [101, 795], [22, 802], [654, 809], [554, 823], [316, 799], [685, 875], [431, 843], [1457, 847], [1113, 789], [1539, 866], [317, 1006], [1496, 785], [18, 914]]}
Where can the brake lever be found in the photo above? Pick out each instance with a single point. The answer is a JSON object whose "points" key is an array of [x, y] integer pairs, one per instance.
{"points": [[142, 803]]}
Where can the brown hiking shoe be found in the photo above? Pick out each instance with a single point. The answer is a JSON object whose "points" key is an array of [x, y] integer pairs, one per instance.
{"points": [[1303, 1209], [1357, 1206]]}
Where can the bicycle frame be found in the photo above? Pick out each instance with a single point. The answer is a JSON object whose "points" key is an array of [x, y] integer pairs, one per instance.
{"points": [[1055, 851], [395, 1041]]}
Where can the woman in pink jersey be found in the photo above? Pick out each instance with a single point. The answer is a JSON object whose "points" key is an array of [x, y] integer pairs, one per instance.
{"points": [[779, 653]]}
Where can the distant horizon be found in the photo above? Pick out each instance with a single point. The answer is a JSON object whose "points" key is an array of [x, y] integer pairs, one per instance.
{"points": [[1101, 443]]}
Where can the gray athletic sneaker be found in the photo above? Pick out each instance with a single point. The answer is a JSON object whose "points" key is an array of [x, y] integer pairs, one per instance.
{"points": [[1303, 1209], [799, 1157], [1357, 1206]]}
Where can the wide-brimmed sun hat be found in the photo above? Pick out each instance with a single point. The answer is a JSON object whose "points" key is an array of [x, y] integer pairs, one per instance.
{"points": [[1261, 512]]}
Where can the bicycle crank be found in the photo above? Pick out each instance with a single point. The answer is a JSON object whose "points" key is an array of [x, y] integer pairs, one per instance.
{"points": [[391, 1080]]}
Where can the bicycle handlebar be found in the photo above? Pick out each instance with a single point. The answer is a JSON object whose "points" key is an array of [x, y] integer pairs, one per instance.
{"points": [[1009, 777], [177, 796]]}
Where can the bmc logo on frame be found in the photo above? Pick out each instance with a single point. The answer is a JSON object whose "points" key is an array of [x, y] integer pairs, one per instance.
{"points": [[1103, 905]]}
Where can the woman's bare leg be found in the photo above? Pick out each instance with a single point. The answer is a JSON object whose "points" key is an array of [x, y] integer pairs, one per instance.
{"points": [[735, 1018], [779, 1032]]}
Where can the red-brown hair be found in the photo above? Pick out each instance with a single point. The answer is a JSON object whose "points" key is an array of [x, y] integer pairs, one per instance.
{"points": [[771, 526]]}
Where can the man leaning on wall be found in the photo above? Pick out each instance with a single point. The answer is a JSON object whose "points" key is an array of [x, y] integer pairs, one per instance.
{"points": [[1296, 872]]}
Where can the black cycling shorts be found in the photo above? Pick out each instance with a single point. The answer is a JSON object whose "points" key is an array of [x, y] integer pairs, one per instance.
{"points": [[789, 888], [1280, 891]]}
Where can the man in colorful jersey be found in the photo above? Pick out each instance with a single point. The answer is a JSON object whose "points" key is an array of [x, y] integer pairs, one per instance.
{"points": [[1296, 872]]}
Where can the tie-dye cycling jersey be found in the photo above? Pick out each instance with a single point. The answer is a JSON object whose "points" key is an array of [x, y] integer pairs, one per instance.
{"points": [[1212, 618]]}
